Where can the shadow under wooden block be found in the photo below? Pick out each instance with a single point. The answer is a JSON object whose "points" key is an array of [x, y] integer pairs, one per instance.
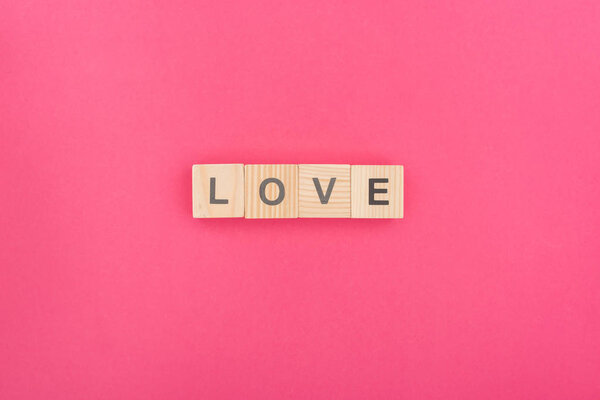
{"points": [[271, 191], [218, 190], [377, 191], [324, 190]]}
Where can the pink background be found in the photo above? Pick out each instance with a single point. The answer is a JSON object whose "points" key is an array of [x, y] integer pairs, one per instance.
{"points": [[488, 289]]}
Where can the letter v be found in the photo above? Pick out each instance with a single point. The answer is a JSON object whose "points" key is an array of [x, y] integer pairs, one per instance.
{"points": [[324, 198]]}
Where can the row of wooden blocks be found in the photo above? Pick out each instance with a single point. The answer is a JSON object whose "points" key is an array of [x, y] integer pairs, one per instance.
{"points": [[297, 190]]}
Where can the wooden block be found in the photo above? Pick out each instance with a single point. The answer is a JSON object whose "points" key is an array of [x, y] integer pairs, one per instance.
{"points": [[218, 190], [272, 191], [324, 191], [377, 191]]}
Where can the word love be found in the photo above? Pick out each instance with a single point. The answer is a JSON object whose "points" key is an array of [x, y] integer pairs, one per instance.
{"points": [[292, 191]]}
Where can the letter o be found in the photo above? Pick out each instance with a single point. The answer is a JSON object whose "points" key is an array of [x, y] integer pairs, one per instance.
{"points": [[263, 187]]}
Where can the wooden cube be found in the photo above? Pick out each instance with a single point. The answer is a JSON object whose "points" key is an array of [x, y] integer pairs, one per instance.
{"points": [[218, 190], [324, 191], [377, 191], [272, 191]]}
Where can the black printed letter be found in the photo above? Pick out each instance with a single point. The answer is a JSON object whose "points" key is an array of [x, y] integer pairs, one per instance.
{"points": [[324, 198], [213, 200], [372, 191], [263, 186]]}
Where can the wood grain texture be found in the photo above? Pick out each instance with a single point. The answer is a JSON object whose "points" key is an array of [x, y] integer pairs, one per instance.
{"points": [[255, 175], [338, 204], [360, 175], [229, 184]]}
